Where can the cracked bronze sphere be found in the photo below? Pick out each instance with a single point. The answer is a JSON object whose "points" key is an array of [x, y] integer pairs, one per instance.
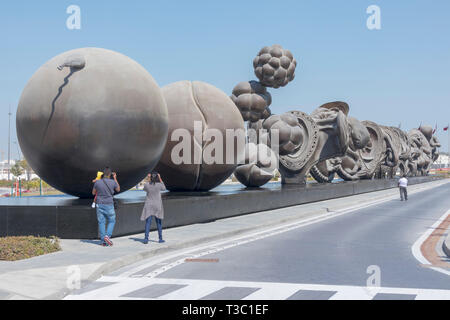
{"points": [[90, 108]]}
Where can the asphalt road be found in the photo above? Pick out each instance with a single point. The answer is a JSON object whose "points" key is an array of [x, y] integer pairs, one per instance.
{"points": [[331, 256]]}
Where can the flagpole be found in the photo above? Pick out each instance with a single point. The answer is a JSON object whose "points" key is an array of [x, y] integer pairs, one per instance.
{"points": [[448, 146]]}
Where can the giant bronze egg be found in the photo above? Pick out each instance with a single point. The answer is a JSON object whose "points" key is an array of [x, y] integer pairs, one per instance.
{"points": [[197, 109], [90, 108]]}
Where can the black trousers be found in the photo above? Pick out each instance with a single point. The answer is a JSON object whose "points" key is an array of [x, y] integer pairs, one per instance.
{"points": [[403, 193]]}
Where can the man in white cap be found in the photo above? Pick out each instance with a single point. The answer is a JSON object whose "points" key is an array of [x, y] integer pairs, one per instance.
{"points": [[403, 186]]}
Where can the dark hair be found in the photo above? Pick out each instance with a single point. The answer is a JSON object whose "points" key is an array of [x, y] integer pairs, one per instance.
{"points": [[154, 178], [107, 172]]}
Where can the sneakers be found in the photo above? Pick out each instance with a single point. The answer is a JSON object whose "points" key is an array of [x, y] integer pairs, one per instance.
{"points": [[108, 241], [161, 241]]}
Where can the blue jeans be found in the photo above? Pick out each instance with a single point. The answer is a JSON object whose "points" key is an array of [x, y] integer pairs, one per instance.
{"points": [[148, 224], [106, 213]]}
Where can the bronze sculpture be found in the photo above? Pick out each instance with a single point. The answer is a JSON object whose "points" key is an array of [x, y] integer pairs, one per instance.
{"points": [[253, 100], [325, 136], [199, 103], [328, 142], [349, 166], [90, 108], [259, 165], [275, 66]]}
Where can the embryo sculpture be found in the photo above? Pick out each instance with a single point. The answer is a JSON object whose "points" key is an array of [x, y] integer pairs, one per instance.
{"points": [[348, 166], [328, 142]]}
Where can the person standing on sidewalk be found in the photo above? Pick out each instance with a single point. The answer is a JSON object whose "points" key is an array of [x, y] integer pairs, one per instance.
{"points": [[403, 186], [104, 189], [153, 205]]}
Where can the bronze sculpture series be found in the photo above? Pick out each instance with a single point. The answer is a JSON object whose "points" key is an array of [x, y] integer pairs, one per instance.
{"points": [[88, 108], [329, 142]]}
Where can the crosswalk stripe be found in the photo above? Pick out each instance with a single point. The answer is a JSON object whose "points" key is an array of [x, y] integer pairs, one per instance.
{"points": [[272, 293], [361, 293], [197, 289], [194, 292]]}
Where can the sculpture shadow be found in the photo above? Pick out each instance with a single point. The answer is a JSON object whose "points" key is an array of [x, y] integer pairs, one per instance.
{"points": [[93, 242], [141, 240]]}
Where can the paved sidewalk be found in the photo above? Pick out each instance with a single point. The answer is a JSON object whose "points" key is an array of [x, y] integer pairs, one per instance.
{"points": [[46, 277]]}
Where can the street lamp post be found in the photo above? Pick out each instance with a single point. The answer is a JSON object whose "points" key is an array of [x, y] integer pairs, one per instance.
{"points": [[9, 143], [18, 151]]}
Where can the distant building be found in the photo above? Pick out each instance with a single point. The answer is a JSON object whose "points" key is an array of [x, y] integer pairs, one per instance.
{"points": [[5, 169], [442, 162]]}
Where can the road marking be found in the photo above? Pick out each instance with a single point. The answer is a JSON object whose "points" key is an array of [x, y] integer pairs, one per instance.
{"points": [[417, 247], [255, 236], [197, 289]]}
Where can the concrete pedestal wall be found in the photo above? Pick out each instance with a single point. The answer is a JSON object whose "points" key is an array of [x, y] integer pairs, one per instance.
{"points": [[75, 219]]}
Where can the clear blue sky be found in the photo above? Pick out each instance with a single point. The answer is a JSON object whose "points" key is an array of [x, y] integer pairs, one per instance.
{"points": [[398, 74]]}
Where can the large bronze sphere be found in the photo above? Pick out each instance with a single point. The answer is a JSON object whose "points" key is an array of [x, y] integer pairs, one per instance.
{"points": [[90, 108], [198, 102]]}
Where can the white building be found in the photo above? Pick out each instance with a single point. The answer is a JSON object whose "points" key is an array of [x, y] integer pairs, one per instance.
{"points": [[5, 168], [442, 162]]}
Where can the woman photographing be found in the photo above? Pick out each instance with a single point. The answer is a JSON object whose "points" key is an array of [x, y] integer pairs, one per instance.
{"points": [[153, 205]]}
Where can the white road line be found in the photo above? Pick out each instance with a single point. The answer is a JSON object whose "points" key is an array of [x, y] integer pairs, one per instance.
{"points": [[232, 242], [225, 244], [416, 248], [197, 289], [240, 240]]}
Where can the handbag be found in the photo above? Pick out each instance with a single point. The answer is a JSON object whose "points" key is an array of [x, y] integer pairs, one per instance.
{"points": [[116, 204]]}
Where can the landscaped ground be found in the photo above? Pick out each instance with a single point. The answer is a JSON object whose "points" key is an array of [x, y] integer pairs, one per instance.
{"points": [[19, 248]]}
